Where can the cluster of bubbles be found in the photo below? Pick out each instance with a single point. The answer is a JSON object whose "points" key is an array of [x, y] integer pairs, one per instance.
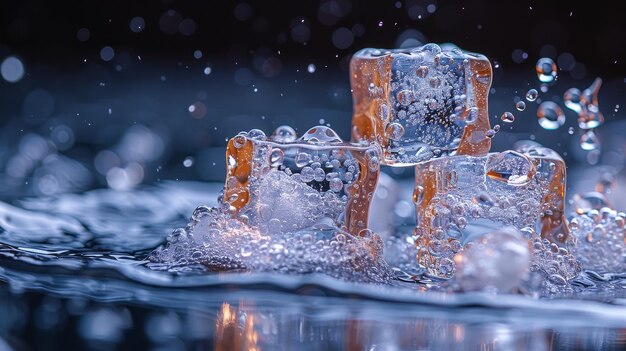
{"points": [[298, 191], [600, 238]]}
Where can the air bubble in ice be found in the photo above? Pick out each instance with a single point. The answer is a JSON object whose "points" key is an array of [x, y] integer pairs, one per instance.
{"points": [[395, 131]]}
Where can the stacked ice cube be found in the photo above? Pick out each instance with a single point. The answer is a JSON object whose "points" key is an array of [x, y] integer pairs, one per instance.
{"points": [[427, 107]]}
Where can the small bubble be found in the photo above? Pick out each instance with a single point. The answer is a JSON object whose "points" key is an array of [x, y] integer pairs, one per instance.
{"points": [[197, 54], [570, 131], [520, 106], [394, 131], [532, 95], [322, 121], [380, 24], [507, 117], [490, 133], [311, 68]]}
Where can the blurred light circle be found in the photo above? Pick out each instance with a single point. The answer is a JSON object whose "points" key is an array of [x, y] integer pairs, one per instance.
{"points": [[169, 22], [243, 11], [410, 38], [12, 69], [358, 30], [187, 27], [518, 56], [105, 160], [83, 34], [197, 54], [579, 71], [243, 76], [300, 33], [197, 110], [137, 24], [343, 38], [107, 53], [62, 136], [37, 106], [207, 70], [566, 61]]}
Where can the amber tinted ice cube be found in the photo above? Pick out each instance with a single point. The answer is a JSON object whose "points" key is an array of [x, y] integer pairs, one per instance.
{"points": [[459, 197], [421, 103], [290, 185]]}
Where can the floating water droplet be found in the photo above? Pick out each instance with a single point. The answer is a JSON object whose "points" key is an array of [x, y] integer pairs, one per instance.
{"points": [[550, 115], [284, 134], [256, 134], [311, 68], [507, 117], [520, 105], [207, 71], [572, 99], [589, 141], [490, 133], [532, 95], [570, 130], [395, 131], [239, 141], [546, 70]]}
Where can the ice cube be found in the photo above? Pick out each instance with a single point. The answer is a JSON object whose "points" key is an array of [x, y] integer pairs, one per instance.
{"points": [[281, 184], [421, 103], [458, 197]]}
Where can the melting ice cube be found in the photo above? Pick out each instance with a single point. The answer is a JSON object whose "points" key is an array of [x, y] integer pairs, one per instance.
{"points": [[282, 184], [421, 103], [458, 197]]}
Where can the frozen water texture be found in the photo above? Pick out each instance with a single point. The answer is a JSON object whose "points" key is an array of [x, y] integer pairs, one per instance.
{"points": [[496, 260], [421, 103], [293, 184], [600, 238], [215, 241], [458, 197]]}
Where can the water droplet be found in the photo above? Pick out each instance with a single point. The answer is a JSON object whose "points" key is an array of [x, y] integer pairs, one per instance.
{"points": [[532, 95], [570, 130], [572, 99], [302, 159], [507, 117], [589, 141], [239, 141], [311, 68], [546, 70], [276, 157], [256, 134], [490, 133], [394, 131], [520, 105], [320, 135], [207, 71], [284, 134], [550, 115]]}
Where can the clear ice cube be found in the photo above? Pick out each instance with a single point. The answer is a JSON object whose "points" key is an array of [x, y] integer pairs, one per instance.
{"points": [[283, 184], [459, 197], [421, 103]]}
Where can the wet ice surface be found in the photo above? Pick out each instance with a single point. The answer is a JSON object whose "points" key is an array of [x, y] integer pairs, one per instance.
{"points": [[94, 247]]}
